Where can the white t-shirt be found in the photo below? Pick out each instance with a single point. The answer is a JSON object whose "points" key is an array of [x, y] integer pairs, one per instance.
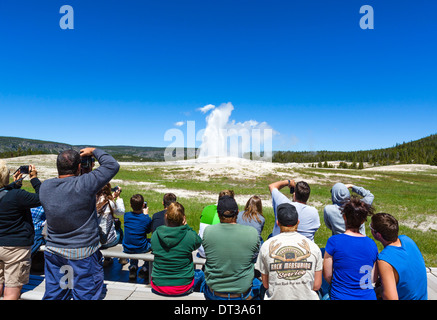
{"points": [[309, 220], [291, 260]]}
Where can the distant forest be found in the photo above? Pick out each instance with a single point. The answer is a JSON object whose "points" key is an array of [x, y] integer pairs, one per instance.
{"points": [[15, 147], [422, 151], [21, 152]]}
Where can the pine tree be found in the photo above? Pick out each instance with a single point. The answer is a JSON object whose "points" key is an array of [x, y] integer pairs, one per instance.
{"points": [[434, 160]]}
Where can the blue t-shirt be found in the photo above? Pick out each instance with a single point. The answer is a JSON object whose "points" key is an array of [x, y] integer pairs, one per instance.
{"points": [[410, 266], [136, 228], [309, 220], [353, 261]]}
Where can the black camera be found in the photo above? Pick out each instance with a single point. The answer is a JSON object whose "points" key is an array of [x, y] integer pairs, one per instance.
{"points": [[23, 169], [86, 164], [145, 204], [116, 188], [291, 190]]}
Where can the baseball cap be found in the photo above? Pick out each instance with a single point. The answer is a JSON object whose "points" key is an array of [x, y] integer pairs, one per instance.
{"points": [[226, 203], [287, 214]]}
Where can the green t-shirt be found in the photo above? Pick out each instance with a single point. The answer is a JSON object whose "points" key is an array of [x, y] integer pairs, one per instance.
{"points": [[229, 250]]}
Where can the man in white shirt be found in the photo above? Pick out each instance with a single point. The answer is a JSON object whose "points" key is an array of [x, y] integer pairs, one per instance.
{"points": [[290, 264], [309, 220]]}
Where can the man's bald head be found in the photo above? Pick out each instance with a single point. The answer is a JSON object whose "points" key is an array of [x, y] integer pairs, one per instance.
{"points": [[68, 162]]}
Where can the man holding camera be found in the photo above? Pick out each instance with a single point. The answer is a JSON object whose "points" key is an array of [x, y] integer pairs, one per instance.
{"points": [[73, 261], [309, 220]]}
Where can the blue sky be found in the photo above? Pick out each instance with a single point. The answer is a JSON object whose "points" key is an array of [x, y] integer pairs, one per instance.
{"points": [[131, 69]]}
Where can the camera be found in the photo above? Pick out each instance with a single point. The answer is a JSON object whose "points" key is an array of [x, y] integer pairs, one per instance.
{"points": [[86, 164], [291, 190], [116, 188], [23, 169], [145, 204]]}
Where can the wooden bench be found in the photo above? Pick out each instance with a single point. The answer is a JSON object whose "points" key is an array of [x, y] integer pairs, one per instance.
{"points": [[117, 252]]}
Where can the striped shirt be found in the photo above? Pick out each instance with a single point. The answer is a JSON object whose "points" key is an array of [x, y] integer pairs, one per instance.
{"points": [[74, 253]]}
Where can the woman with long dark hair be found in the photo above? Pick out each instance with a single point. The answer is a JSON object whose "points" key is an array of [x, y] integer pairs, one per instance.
{"points": [[350, 258], [253, 215], [109, 205]]}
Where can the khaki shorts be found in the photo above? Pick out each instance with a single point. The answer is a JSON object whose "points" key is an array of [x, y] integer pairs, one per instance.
{"points": [[14, 266]]}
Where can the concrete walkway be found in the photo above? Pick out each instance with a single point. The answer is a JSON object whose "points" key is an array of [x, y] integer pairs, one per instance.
{"points": [[432, 283]]}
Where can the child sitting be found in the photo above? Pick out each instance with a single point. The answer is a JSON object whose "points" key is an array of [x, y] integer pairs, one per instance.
{"points": [[137, 224]]}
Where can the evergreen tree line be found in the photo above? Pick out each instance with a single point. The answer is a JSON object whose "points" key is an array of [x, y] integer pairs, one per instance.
{"points": [[423, 151], [21, 152]]}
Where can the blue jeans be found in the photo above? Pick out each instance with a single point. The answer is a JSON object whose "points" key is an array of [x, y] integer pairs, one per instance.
{"points": [[252, 294], [73, 279], [134, 262], [38, 241], [117, 240], [326, 287]]}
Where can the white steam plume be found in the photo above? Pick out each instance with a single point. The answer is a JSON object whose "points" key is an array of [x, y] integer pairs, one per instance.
{"points": [[223, 138]]}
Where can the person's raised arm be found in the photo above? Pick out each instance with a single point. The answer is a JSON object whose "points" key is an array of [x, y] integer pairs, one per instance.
{"points": [[33, 175], [281, 184], [149, 224], [108, 168], [119, 207], [28, 199], [368, 197]]}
